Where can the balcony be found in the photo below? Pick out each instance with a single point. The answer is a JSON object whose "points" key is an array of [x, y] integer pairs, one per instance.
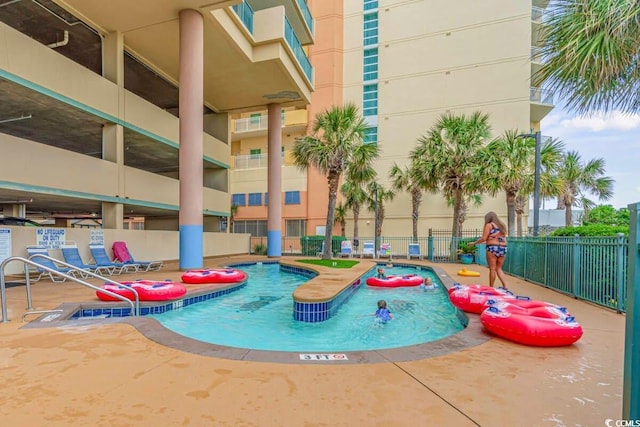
{"points": [[258, 161], [296, 11], [296, 49], [541, 103], [245, 13], [537, 60], [248, 127]]}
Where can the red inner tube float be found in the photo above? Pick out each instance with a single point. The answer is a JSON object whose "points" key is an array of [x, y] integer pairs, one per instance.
{"points": [[213, 275], [474, 298], [148, 290], [396, 281], [544, 325]]}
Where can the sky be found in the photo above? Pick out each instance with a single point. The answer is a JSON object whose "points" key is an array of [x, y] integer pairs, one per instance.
{"points": [[614, 137]]}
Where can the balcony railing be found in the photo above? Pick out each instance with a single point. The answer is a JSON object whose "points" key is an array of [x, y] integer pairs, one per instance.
{"points": [[253, 161], [543, 96], [537, 55], [296, 48], [306, 13], [539, 15], [245, 13], [250, 124]]}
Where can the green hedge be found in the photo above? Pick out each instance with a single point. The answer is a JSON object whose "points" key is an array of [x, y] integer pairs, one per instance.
{"points": [[312, 245], [592, 230]]}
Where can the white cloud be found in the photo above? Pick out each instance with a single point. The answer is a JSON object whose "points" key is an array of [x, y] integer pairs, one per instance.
{"points": [[600, 121]]}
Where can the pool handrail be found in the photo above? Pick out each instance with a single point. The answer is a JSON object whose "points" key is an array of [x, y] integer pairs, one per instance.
{"points": [[135, 305]]}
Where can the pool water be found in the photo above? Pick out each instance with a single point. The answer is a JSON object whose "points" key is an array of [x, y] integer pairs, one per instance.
{"points": [[259, 316]]}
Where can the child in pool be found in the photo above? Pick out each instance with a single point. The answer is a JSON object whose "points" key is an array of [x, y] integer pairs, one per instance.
{"points": [[383, 312], [381, 274], [428, 284]]}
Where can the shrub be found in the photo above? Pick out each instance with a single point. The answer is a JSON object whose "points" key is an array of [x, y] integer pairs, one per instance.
{"points": [[593, 230], [260, 249]]}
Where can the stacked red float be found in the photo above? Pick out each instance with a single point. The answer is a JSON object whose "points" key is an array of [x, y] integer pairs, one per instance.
{"points": [[519, 319], [148, 290], [213, 275]]}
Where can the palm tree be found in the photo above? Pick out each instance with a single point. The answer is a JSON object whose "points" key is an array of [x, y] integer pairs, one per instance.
{"points": [[509, 165], [335, 142], [592, 48], [578, 178], [232, 216], [447, 155], [377, 197], [359, 173], [509, 161], [354, 197], [408, 179], [341, 218]]}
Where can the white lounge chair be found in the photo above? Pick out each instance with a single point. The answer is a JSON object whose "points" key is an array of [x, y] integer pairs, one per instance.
{"points": [[346, 249], [368, 249], [414, 251], [385, 250]]}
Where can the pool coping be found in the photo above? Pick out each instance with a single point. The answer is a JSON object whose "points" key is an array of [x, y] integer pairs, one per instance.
{"points": [[472, 335]]}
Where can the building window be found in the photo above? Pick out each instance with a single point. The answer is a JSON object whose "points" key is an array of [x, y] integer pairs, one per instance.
{"points": [[255, 152], [370, 29], [238, 200], [370, 4], [255, 199], [370, 100], [295, 227], [370, 135], [257, 228], [370, 65], [292, 198], [266, 199]]}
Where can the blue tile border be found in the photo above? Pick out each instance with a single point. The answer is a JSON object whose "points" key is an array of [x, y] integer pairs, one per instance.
{"points": [[147, 308], [321, 311]]}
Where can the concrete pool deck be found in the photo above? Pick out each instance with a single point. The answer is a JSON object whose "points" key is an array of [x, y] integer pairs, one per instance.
{"points": [[112, 375]]}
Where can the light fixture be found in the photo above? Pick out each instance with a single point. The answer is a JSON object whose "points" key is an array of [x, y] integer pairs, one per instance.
{"points": [[15, 119]]}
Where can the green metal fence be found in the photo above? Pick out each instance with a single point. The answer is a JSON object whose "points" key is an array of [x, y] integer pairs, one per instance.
{"points": [[589, 268]]}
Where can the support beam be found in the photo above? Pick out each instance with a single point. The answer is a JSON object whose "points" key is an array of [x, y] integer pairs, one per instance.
{"points": [[274, 182]]}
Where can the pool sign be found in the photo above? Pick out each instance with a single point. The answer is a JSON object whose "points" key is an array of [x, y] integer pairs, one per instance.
{"points": [[323, 356], [50, 238], [96, 237], [5, 243]]}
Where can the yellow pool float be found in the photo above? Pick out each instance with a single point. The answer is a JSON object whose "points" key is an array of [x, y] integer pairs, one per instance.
{"points": [[468, 273]]}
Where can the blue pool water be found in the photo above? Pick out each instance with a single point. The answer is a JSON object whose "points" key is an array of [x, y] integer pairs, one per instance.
{"points": [[259, 316]]}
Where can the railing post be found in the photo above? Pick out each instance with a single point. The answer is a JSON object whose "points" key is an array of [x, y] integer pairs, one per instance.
{"points": [[576, 265], [546, 260], [430, 254], [524, 257], [619, 272], [631, 375]]}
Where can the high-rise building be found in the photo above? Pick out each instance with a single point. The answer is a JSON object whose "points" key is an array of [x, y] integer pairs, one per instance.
{"points": [[404, 63]]}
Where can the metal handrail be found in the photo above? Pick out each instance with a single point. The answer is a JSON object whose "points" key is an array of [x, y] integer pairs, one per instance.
{"points": [[135, 307]]}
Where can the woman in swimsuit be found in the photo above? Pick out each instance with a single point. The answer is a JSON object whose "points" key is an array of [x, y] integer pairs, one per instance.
{"points": [[495, 234]]}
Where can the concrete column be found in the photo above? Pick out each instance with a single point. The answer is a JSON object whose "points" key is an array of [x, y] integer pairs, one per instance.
{"points": [[113, 134], [274, 182], [17, 210], [191, 149]]}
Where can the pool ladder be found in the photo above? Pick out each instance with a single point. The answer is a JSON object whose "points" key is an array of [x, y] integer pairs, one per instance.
{"points": [[135, 305]]}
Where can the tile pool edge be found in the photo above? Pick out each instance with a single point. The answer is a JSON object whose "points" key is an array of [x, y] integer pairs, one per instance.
{"points": [[471, 336]]}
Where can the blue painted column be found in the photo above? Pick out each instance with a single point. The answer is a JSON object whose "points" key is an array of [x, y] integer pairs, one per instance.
{"points": [[191, 125], [631, 384], [274, 182]]}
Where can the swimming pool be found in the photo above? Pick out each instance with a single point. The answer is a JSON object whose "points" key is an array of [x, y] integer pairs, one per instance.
{"points": [[259, 316]]}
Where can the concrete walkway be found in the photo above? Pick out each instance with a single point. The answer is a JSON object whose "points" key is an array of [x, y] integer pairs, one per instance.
{"points": [[112, 375]]}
